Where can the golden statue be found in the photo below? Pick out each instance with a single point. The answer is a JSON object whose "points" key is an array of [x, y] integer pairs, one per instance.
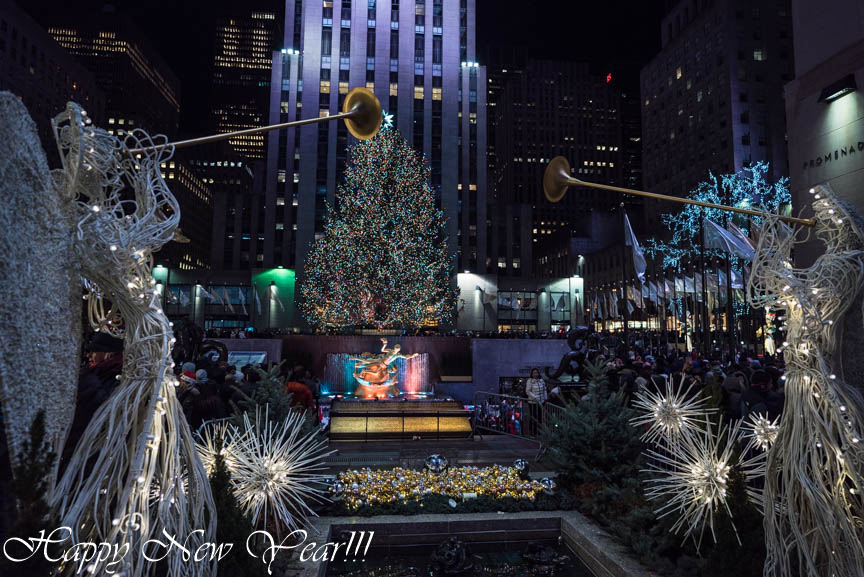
{"points": [[376, 374]]}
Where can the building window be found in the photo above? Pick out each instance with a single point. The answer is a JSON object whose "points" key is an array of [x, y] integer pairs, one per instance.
{"points": [[759, 55]]}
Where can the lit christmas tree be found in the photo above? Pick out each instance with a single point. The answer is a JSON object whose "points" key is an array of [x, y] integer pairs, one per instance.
{"points": [[382, 260]]}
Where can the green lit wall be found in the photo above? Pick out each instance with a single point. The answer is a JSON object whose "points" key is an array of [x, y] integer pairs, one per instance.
{"points": [[275, 288]]}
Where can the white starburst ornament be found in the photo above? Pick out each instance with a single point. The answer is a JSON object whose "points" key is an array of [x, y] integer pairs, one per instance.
{"points": [[762, 430], [692, 478], [274, 470], [671, 414]]}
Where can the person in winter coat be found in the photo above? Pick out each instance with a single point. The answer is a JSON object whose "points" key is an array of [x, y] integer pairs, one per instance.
{"points": [[95, 384]]}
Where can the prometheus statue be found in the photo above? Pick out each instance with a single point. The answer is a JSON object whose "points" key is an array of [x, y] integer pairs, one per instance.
{"points": [[377, 374]]}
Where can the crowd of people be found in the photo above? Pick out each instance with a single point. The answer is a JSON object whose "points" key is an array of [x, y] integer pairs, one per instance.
{"points": [[208, 388], [744, 386]]}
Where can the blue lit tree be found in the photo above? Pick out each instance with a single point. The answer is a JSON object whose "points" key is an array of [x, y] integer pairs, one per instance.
{"points": [[747, 188]]}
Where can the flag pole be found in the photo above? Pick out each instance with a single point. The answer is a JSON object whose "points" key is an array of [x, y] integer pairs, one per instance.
{"points": [[626, 311]]}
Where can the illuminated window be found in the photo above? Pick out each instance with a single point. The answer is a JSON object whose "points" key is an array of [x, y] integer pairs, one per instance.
{"points": [[758, 55], [677, 73], [343, 88], [370, 86], [280, 226], [394, 89], [418, 93], [436, 94], [325, 87], [323, 113], [280, 201], [296, 177]]}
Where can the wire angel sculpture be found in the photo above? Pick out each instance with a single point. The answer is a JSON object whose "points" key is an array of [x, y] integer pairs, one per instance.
{"points": [[815, 470], [139, 438]]}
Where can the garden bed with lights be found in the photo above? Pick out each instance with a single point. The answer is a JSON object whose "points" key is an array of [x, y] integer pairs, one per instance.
{"points": [[437, 489]]}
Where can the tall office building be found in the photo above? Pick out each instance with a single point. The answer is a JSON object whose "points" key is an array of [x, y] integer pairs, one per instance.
{"points": [[419, 59], [43, 75], [545, 109], [245, 39], [141, 90], [196, 217], [712, 99]]}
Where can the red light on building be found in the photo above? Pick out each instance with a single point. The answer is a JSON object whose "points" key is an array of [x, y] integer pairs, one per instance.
{"points": [[608, 78]]}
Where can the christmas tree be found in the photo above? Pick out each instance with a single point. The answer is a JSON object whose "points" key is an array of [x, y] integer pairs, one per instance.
{"points": [[30, 486], [232, 525], [382, 260]]}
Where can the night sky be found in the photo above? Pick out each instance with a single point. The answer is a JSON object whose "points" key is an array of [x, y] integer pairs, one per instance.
{"points": [[617, 36]]}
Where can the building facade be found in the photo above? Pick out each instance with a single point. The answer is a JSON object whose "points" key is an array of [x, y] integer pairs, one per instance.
{"points": [[196, 212], [245, 39], [825, 106], [419, 59], [141, 90], [712, 99], [43, 75]]}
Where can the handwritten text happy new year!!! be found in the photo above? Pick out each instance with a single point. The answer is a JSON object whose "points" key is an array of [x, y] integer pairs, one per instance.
{"points": [[108, 557]]}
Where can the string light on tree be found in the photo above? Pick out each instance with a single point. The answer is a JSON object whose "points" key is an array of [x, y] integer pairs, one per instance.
{"points": [[382, 260]]}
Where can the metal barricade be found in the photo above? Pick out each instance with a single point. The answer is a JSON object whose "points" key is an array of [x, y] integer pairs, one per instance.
{"points": [[500, 414]]}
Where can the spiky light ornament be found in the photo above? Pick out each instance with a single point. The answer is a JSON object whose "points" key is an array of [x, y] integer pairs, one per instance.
{"points": [[274, 470], [382, 260], [691, 479], [671, 413], [763, 431]]}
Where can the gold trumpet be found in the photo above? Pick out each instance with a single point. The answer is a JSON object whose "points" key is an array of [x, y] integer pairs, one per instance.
{"points": [[361, 113], [557, 179]]}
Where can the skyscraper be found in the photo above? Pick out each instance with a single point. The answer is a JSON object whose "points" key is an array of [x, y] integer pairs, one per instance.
{"points": [[140, 89], [245, 39], [712, 99], [544, 109], [419, 59]]}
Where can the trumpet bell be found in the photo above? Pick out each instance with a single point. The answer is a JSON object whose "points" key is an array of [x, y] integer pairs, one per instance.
{"points": [[556, 179], [365, 111]]}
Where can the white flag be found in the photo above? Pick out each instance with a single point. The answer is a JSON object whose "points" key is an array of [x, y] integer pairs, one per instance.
{"points": [[226, 299], [639, 263], [243, 300], [257, 300], [742, 238], [719, 238]]}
